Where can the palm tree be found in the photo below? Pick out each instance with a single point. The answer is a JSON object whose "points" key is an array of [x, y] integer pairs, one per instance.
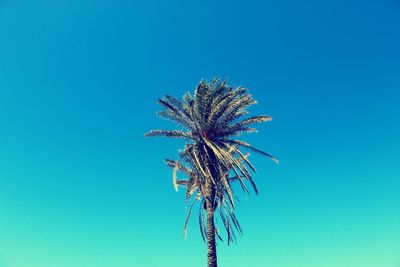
{"points": [[212, 158]]}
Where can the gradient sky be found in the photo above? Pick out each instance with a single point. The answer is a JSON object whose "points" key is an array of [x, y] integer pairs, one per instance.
{"points": [[81, 187]]}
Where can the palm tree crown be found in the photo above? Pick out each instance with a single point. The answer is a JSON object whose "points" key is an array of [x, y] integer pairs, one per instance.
{"points": [[212, 158]]}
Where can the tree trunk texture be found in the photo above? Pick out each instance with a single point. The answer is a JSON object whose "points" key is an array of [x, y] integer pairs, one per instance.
{"points": [[210, 198], [211, 245]]}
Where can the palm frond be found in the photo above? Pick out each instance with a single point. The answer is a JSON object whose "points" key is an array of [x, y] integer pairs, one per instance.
{"points": [[201, 101], [203, 229], [221, 104], [241, 143], [169, 133], [187, 218], [226, 160], [235, 131], [232, 111], [173, 163], [175, 113], [174, 178], [255, 119], [242, 126]]}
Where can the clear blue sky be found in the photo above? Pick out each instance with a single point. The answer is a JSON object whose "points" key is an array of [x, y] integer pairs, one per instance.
{"points": [[81, 187]]}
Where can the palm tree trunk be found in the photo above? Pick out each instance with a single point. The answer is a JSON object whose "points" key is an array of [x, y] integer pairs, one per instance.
{"points": [[211, 246], [210, 198]]}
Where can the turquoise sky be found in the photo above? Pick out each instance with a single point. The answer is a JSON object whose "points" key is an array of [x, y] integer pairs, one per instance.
{"points": [[81, 187]]}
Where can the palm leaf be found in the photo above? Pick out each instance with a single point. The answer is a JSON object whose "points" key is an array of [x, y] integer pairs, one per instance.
{"points": [[169, 133], [241, 143]]}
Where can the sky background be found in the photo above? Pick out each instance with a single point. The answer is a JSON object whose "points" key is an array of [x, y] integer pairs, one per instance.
{"points": [[81, 187]]}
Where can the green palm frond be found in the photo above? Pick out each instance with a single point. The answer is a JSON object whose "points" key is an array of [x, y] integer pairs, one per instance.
{"points": [[233, 110], [174, 110], [222, 103], [255, 119], [170, 133]]}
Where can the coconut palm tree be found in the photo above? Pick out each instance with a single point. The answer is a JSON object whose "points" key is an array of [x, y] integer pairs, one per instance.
{"points": [[212, 157]]}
